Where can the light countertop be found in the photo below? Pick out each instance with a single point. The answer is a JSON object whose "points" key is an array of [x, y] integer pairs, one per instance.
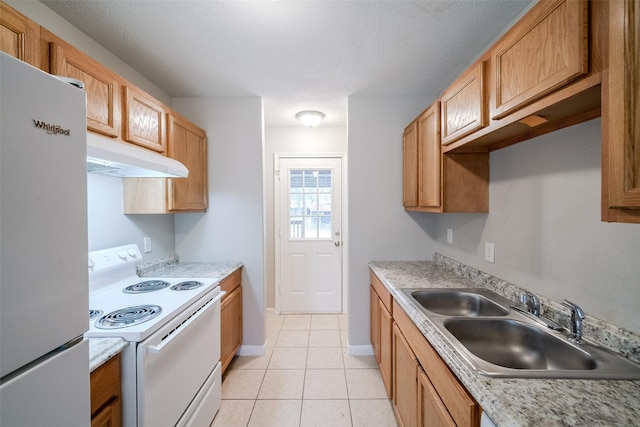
{"points": [[173, 267], [515, 401], [103, 349]]}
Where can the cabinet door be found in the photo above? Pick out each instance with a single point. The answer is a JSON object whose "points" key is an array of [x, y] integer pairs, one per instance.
{"points": [[546, 50], [145, 120], [459, 403], [106, 417], [187, 143], [386, 349], [106, 402], [231, 326], [430, 158], [431, 411], [410, 166], [621, 114], [101, 85], [19, 36], [464, 105], [405, 381], [374, 322]]}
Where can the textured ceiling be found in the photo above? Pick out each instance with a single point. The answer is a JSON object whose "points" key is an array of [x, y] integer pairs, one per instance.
{"points": [[297, 55]]}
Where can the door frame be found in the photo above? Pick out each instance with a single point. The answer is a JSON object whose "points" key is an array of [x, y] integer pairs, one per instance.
{"points": [[277, 211]]}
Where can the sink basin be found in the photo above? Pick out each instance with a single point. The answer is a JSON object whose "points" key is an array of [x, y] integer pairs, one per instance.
{"points": [[456, 302], [516, 345], [498, 341]]}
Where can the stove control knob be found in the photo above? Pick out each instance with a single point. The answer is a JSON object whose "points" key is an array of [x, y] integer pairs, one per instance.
{"points": [[122, 254], [132, 252]]}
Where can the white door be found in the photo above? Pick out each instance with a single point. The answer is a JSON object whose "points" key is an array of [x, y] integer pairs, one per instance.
{"points": [[310, 235]]}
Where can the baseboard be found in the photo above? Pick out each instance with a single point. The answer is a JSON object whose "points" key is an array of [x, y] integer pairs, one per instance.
{"points": [[252, 350], [359, 350]]}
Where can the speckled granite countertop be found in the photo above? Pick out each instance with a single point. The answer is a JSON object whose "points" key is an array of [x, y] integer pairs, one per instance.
{"points": [[172, 267], [514, 401], [103, 349]]}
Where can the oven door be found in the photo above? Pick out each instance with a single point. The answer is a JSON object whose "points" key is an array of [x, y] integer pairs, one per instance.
{"points": [[175, 361]]}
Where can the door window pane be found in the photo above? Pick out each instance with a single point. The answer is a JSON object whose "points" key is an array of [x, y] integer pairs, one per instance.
{"points": [[310, 203]]}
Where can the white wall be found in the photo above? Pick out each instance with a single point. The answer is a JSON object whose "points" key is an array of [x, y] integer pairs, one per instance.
{"points": [[292, 140], [379, 228], [109, 227], [233, 227], [545, 222]]}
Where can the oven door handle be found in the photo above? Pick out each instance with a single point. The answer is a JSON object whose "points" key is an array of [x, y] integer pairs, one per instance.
{"points": [[156, 349]]}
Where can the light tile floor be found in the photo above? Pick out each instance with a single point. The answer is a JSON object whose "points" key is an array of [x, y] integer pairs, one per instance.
{"points": [[305, 379]]}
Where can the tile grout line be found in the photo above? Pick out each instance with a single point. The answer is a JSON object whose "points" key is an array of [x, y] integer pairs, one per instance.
{"points": [[306, 369]]}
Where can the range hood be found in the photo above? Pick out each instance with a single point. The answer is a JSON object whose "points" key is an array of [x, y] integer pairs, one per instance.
{"points": [[109, 157]]}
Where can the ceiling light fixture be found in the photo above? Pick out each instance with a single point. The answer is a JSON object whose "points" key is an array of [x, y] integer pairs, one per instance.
{"points": [[310, 118]]}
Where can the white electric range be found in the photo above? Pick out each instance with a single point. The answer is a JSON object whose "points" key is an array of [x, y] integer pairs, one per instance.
{"points": [[171, 367]]}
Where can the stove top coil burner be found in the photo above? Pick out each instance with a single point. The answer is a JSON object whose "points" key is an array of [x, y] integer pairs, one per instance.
{"points": [[186, 286], [128, 316], [146, 286], [94, 313]]}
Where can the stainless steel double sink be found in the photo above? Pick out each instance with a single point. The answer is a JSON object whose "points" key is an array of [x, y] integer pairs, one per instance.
{"points": [[500, 341]]}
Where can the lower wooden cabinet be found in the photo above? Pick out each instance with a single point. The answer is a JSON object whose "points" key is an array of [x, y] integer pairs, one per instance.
{"points": [[231, 317], [432, 411], [405, 381], [381, 330], [422, 388], [438, 395], [106, 395]]}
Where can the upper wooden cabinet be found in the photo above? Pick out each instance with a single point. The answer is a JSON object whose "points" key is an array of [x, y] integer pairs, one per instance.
{"points": [[547, 49], [144, 120], [19, 36], [410, 165], [421, 161], [434, 182], [542, 75], [102, 86], [186, 143], [429, 158], [464, 105], [621, 116]]}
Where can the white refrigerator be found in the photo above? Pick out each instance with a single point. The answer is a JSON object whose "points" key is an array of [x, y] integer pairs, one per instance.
{"points": [[44, 362]]}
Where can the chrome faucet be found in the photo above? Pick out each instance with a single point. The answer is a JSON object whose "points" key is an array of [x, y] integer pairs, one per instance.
{"points": [[532, 302], [577, 316]]}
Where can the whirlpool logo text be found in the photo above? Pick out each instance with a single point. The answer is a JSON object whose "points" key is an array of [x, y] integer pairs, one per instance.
{"points": [[51, 129]]}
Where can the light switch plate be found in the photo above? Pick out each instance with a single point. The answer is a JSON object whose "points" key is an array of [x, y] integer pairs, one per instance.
{"points": [[489, 252], [147, 245], [450, 235]]}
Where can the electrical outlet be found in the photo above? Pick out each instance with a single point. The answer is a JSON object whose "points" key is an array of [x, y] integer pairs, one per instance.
{"points": [[147, 245], [450, 235], [489, 252]]}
